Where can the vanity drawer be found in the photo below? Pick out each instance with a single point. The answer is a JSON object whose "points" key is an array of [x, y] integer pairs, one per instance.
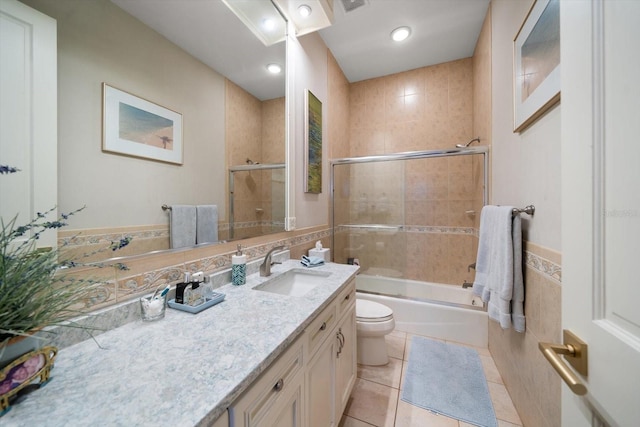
{"points": [[321, 327], [346, 298]]}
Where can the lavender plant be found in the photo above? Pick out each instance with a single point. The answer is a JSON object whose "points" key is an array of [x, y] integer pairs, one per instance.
{"points": [[36, 289]]}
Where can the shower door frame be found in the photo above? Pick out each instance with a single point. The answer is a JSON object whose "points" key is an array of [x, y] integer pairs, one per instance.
{"points": [[409, 155], [244, 168]]}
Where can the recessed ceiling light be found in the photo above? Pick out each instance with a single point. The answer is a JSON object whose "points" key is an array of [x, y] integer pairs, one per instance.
{"points": [[304, 10], [400, 34], [268, 24], [274, 68]]}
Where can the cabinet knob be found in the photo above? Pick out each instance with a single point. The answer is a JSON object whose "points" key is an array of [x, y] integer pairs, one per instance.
{"points": [[347, 297], [279, 385], [324, 326]]}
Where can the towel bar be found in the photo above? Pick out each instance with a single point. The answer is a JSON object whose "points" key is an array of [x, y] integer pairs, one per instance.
{"points": [[529, 210], [166, 207]]}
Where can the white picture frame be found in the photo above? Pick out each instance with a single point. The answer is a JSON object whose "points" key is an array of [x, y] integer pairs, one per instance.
{"points": [[136, 127], [536, 77]]}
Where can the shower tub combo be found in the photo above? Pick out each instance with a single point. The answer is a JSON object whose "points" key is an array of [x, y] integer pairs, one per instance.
{"points": [[388, 215]]}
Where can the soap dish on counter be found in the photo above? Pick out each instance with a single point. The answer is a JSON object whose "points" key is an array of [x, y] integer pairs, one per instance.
{"points": [[209, 301]]}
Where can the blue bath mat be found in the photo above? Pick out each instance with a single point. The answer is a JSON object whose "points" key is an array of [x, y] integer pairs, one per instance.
{"points": [[448, 379]]}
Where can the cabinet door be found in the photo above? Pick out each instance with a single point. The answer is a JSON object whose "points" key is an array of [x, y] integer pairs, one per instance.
{"points": [[320, 386], [276, 393], [346, 363], [288, 411]]}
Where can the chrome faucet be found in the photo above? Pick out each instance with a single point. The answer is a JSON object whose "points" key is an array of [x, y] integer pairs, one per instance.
{"points": [[265, 267]]}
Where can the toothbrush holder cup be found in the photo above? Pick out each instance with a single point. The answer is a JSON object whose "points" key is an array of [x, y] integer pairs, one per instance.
{"points": [[153, 308]]}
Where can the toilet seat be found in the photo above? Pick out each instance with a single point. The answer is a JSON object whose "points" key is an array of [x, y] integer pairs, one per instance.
{"points": [[372, 312]]}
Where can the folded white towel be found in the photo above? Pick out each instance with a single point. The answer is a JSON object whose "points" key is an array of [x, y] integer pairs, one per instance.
{"points": [[183, 226], [499, 266], [311, 261], [206, 224]]}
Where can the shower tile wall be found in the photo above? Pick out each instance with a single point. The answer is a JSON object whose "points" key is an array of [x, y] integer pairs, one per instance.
{"points": [[272, 147], [254, 130], [440, 199]]}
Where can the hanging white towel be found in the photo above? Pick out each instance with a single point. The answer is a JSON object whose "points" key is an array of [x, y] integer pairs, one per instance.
{"points": [[499, 266], [206, 224], [183, 226]]}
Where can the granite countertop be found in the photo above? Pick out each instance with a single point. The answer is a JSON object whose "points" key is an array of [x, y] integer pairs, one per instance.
{"points": [[183, 370]]}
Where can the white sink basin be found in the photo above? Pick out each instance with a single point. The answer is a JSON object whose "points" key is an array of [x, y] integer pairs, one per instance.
{"points": [[295, 283]]}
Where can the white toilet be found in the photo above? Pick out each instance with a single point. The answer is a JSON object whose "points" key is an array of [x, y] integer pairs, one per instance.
{"points": [[373, 322]]}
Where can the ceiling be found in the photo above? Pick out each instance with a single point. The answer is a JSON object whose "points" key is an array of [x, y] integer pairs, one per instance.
{"points": [[442, 30]]}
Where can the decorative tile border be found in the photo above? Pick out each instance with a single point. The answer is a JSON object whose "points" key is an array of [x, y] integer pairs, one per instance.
{"points": [[82, 238], [543, 266], [134, 286], [91, 237], [548, 268], [427, 229]]}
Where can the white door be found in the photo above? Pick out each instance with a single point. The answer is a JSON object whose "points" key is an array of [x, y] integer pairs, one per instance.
{"points": [[601, 205], [28, 114]]}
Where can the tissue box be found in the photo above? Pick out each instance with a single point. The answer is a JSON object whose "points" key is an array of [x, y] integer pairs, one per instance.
{"points": [[323, 253]]}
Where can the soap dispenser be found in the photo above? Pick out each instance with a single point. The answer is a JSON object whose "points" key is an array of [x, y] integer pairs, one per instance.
{"points": [[239, 267]]}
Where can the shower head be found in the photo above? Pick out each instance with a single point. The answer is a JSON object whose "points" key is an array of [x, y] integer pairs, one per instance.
{"points": [[468, 143]]}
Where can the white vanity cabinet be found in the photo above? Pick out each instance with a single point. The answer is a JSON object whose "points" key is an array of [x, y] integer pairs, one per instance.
{"points": [[320, 381], [331, 371], [310, 383], [346, 370]]}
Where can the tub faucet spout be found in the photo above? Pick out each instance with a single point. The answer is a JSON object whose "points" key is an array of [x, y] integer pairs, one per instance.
{"points": [[466, 285], [265, 267]]}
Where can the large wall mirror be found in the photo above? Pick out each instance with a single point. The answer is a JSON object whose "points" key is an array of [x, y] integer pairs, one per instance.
{"points": [[196, 58]]}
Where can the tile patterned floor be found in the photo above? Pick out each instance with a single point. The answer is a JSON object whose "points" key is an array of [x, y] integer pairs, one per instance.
{"points": [[375, 400]]}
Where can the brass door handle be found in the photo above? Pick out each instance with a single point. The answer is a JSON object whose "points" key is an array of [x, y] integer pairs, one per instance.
{"points": [[575, 351]]}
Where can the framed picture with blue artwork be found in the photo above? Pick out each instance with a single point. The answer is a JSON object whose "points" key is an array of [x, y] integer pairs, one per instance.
{"points": [[136, 127], [313, 144]]}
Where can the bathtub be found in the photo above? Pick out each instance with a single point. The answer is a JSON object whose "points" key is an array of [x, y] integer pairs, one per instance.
{"points": [[430, 309]]}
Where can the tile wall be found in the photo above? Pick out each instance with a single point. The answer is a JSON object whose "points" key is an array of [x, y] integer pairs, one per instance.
{"points": [[531, 381]]}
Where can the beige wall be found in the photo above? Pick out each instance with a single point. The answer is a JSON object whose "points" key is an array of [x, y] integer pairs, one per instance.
{"points": [[98, 42], [525, 170], [310, 55], [526, 165]]}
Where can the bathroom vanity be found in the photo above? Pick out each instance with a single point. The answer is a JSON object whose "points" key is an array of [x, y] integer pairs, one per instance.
{"points": [[261, 357], [309, 384]]}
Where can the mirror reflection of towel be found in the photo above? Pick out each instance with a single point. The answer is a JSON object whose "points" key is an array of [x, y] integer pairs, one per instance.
{"points": [[182, 232], [206, 224]]}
